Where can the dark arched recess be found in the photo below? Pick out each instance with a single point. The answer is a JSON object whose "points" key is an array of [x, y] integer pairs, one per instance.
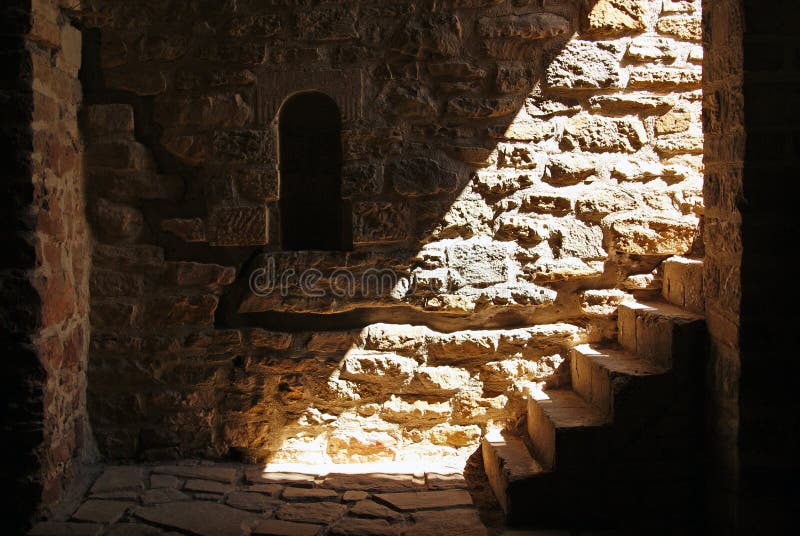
{"points": [[313, 214]]}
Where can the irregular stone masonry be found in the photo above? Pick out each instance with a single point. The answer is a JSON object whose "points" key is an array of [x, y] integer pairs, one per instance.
{"points": [[509, 165], [47, 245], [236, 500]]}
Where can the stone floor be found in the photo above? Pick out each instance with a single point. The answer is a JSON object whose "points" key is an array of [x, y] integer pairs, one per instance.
{"points": [[226, 499], [202, 498]]}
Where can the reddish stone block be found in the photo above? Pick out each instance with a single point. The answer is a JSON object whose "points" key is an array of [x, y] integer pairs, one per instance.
{"points": [[178, 311], [192, 274]]}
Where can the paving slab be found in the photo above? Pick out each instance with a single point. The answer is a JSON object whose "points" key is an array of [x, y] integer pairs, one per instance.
{"points": [[372, 509], [102, 511], [134, 529], [122, 477], [204, 472], [372, 482], [350, 526], [323, 513], [426, 500], [254, 502], [163, 495], [277, 527], [464, 522], [309, 494], [197, 517], [207, 486], [50, 528]]}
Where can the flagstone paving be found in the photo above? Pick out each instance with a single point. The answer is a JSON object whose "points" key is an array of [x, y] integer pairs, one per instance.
{"points": [[207, 499]]}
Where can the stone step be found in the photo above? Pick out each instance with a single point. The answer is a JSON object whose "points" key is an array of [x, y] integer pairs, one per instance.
{"points": [[683, 283], [665, 334], [512, 472], [614, 381], [531, 495], [565, 431]]}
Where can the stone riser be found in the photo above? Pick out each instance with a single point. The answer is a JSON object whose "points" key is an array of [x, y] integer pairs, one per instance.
{"points": [[560, 427], [683, 283], [662, 333], [617, 383]]}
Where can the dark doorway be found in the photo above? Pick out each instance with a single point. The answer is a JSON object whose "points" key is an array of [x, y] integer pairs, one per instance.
{"points": [[313, 214]]}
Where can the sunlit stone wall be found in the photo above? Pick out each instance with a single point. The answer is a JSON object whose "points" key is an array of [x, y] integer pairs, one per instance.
{"points": [[514, 170]]}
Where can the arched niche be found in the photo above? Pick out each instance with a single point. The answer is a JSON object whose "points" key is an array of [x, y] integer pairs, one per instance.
{"points": [[312, 212]]}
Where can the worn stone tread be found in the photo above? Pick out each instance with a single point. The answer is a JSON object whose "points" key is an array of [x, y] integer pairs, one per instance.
{"points": [[566, 409], [619, 361]]}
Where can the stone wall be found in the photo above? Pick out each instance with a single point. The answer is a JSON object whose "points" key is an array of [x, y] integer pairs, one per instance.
{"points": [[724, 155], [751, 78], [44, 277], [515, 171]]}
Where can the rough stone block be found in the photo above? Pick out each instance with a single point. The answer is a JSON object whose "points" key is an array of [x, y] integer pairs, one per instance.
{"points": [[115, 222], [327, 23], [118, 155], [417, 413], [547, 203], [569, 168], [602, 134], [193, 274], [193, 149], [531, 26], [478, 262], [378, 368], [623, 104], [665, 78], [109, 120], [616, 17], [652, 49], [178, 311], [681, 26], [244, 146], [376, 222], [641, 233], [208, 111], [420, 176], [239, 226], [481, 108], [362, 179], [188, 230], [431, 34], [586, 65]]}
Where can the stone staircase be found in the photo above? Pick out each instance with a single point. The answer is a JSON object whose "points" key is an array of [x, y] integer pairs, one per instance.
{"points": [[621, 447]]}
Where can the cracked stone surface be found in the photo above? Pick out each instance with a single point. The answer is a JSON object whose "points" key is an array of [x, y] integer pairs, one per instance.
{"points": [[222, 499]]}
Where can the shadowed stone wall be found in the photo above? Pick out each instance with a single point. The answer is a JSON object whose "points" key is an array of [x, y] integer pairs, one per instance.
{"points": [[515, 170], [45, 271], [751, 145]]}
